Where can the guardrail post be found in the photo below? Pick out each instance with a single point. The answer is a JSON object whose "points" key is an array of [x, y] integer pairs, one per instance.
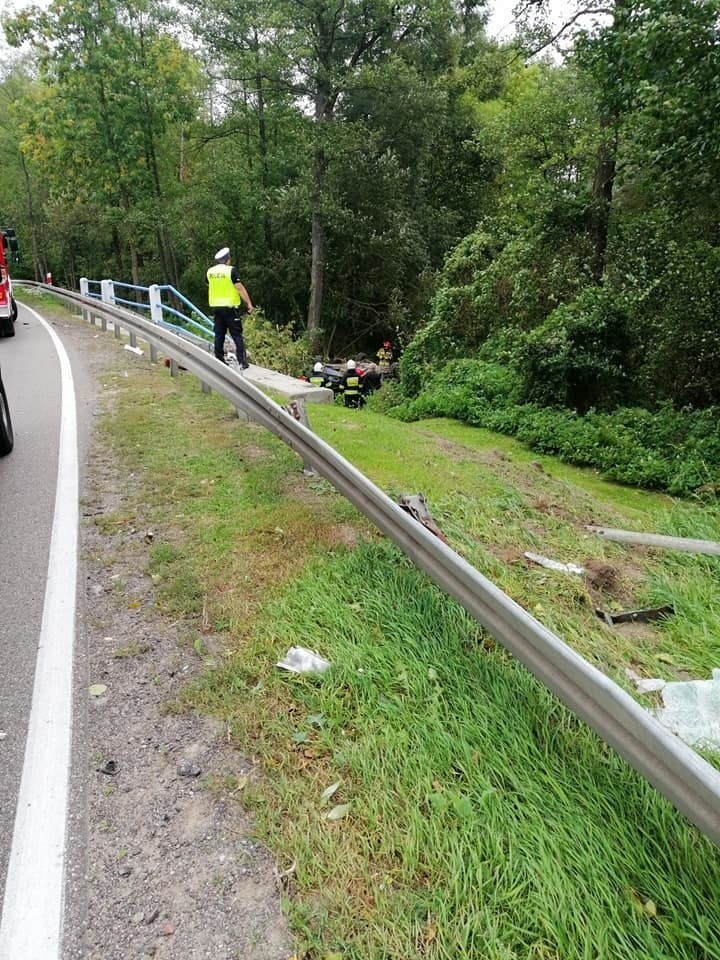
{"points": [[84, 290], [296, 409], [174, 368]]}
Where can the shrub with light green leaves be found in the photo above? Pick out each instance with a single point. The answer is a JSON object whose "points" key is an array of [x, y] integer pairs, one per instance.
{"points": [[274, 346]]}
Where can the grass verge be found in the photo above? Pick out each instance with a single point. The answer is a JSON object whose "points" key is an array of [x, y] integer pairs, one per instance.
{"points": [[473, 815]]}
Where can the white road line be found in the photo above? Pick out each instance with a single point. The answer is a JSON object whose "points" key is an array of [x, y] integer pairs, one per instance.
{"points": [[31, 924]]}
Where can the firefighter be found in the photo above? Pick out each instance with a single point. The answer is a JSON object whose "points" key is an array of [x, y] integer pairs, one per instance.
{"points": [[225, 294], [385, 354], [351, 383], [317, 377]]}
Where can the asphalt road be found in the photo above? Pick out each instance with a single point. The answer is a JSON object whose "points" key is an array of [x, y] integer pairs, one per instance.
{"points": [[28, 478]]}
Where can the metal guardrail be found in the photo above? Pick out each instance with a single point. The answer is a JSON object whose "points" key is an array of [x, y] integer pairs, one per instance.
{"points": [[672, 767]]}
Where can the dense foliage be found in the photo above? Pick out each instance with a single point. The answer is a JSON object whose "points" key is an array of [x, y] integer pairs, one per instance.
{"points": [[386, 171]]}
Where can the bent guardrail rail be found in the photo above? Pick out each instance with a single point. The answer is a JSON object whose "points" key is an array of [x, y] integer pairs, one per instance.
{"points": [[673, 768]]}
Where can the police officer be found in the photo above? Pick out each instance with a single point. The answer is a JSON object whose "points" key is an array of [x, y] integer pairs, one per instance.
{"points": [[225, 294]]}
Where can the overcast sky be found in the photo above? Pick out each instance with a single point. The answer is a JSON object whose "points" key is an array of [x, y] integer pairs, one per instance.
{"points": [[500, 24]]}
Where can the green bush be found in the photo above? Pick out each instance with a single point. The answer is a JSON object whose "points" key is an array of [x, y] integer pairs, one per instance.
{"points": [[273, 346], [576, 358]]}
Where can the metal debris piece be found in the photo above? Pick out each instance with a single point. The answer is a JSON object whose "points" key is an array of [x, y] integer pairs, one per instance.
{"points": [[689, 544], [417, 507], [554, 564], [636, 616]]}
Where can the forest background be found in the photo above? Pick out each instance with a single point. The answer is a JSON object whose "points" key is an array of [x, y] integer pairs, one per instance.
{"points": [[536, 232]]}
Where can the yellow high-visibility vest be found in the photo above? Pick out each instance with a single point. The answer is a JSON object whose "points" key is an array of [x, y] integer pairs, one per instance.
{"points": [[222, 292]]}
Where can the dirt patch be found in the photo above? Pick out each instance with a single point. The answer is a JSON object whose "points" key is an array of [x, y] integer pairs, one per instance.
{"points": [[342, 534], [617, 582], [164, 862], [552, 509], [601, 576]]}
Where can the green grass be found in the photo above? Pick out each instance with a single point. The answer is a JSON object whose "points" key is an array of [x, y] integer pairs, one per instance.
{"points": [[485, 821]]}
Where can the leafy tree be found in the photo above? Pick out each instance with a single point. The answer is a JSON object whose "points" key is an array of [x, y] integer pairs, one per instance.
{"points": [[316, 54], [112, 84]]}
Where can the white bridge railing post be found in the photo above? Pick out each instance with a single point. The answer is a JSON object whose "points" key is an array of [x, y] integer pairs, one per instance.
{"points": [[155, 297], [84, 291], [107, 295]]}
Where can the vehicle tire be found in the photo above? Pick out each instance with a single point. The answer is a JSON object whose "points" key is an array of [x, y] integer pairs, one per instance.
{"points": [[13, 309], [6, 430], [7, 325]]}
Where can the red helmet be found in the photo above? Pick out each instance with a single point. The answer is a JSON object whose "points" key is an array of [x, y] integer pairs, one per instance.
{"points": [[387, 343]]}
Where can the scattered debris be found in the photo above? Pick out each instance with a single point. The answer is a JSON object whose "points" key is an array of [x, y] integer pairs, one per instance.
{"points": [[135, 350], [282, 877], [109, 766], [636, 616], [688, 544], [554, 565], [417, 507], [645, 684], [328, 792], [168, 362], [188, 769], [338, 812], [3, 735], [97, 689], [300, 660], [691, 709]]}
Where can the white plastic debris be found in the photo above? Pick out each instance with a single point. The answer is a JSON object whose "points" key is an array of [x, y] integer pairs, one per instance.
{"points": [[135, 350], [692, 710], [300, 660], [650, 685], [644, 684], [553, 564]]}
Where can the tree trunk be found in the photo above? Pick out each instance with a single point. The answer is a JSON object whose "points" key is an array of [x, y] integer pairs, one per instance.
{"points": [[263, 150], [117, 247], [602, 193], [317, 267], [33, 224], [323, 110]]}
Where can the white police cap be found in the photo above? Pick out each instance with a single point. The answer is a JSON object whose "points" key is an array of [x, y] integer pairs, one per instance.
{"points": [[221, 254]]}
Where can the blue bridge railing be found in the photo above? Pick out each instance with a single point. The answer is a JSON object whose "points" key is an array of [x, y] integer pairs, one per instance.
{"points": [[153, 299]]}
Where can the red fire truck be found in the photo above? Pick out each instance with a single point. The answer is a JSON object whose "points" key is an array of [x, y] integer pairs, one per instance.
{"points": [[8, 307]]}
